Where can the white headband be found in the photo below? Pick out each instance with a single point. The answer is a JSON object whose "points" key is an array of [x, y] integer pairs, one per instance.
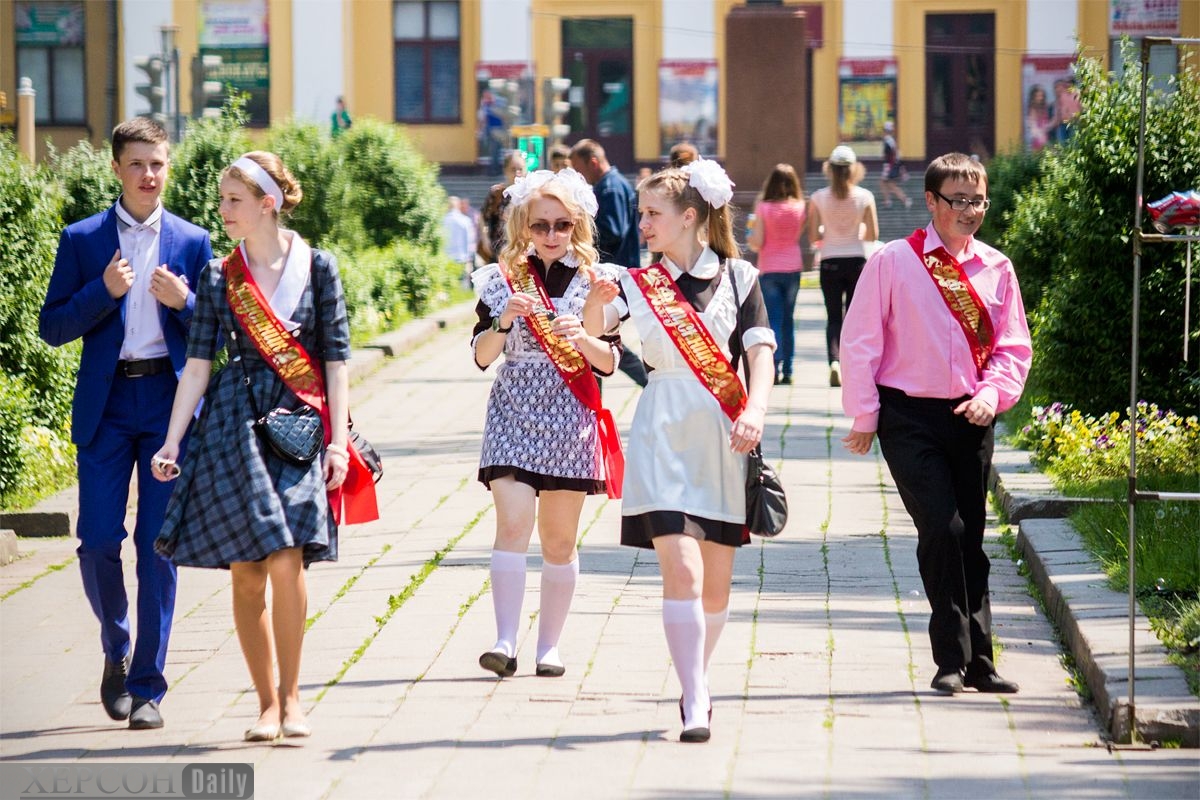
{"points": [[251, 168], [575, 184]]}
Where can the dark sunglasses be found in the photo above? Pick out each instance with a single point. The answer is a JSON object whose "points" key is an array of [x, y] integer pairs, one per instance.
{"points": [[543, 228]]}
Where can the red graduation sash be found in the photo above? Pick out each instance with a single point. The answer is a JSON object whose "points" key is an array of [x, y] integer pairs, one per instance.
{"points": [[354, 501], [694, 342], [961, 298], [576, 372]]}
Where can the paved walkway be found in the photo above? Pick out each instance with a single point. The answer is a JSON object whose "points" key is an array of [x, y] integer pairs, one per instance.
{"points": [[820, 681]]}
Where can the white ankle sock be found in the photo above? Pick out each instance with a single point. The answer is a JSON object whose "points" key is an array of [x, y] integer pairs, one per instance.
{"points": [[714, 623], [508, 592], [558, 587], [683, 622]]}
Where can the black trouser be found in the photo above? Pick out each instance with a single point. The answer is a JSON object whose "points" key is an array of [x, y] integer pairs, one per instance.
{"points": [[940, 464], [839, 276]]}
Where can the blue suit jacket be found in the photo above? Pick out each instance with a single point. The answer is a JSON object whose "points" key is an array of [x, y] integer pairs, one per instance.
{"points": [[78, 305]]}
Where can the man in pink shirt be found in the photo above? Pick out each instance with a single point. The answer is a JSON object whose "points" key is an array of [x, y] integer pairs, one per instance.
{"points": [[933, 347]]}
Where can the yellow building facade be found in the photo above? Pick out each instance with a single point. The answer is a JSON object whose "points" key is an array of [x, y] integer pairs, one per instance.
{"points": [[643, 71]]}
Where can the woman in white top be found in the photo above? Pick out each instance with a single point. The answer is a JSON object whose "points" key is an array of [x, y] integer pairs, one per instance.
{"points": [[841, 220]]}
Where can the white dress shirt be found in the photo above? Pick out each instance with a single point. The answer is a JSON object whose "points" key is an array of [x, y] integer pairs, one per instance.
{"points": [[139, 246]]}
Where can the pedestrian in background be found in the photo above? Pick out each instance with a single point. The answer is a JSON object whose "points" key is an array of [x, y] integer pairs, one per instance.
{"points": [[893, 171], [457, 229], [616, 224], [495, 209], [841, 221], [685, 485], [935, 345], [541, 453], [237, 504], [558, 157], [340, 119], [682, 154], [122, 282], [778, 225]]}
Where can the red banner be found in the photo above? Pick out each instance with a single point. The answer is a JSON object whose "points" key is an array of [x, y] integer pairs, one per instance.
{"points": [[960, 296]]}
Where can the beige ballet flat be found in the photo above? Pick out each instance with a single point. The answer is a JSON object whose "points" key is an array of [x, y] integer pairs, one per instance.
{"points": [[295, 730], [265, 732]]}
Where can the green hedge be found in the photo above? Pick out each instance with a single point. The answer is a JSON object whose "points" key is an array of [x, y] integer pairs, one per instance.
{"points": [[88, 181], [1069, 236]]}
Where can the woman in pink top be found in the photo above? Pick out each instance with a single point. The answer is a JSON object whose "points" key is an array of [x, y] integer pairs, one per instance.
{"points": [[841, 221], [779, 222]]}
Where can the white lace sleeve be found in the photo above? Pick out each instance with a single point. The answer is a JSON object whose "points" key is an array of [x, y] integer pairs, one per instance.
{"points": [[491, 287]]}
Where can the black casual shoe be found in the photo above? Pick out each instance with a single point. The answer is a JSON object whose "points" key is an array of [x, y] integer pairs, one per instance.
{"points": [[786, 380], [548, 670], [990, 682], [113, 694], [695, 735], [498, 663], [835, 374], [947, 681], [144, 715]]}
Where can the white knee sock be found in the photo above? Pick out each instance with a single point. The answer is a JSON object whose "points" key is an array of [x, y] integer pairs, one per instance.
{"points": [[714, 623], [508, 592], [683, 621], [558, 587]]}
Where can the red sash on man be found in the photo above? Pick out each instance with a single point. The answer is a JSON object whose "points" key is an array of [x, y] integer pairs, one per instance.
{"points": [[576, 372], [960, 296], [694, 342], [354, 501]]}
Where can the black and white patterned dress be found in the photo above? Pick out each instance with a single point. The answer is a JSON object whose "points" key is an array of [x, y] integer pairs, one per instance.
{"points": [[235, 500], [536, 430]]}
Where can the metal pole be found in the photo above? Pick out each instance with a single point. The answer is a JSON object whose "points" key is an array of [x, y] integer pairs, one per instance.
{"points": [[170, 57], [1133, 398]]}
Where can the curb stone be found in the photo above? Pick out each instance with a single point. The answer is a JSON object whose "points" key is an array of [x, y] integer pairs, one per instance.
{"points": [[1094, 622], [8, 547]]}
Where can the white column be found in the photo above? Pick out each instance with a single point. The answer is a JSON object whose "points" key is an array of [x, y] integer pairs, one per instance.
{"points": [[140, 23], [688, 30], [1050, 27], [506, 30], [866, 28], [318, 59]]}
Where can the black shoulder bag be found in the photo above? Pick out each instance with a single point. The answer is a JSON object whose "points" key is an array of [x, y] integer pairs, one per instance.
{"points": [[766, 503]]}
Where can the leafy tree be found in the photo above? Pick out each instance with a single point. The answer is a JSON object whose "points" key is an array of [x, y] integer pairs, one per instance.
{"points": [[1070, 238], [312, 159]]}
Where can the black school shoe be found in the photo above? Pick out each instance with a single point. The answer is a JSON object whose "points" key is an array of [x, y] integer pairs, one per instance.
{"points": [[145, 715], [989, 682], [947, 681], [113, 694], [498, 663], [697, 734]]}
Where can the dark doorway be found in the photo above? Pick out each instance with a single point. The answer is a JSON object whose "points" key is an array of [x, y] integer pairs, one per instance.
{"points": [[598, 58], [960, 80]]}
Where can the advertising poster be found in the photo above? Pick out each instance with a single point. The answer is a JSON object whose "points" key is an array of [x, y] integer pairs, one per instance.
{"points": [[238, 32], [1136, 18], [1048, 93], [865, 102], [687, 104], [49, 24]]}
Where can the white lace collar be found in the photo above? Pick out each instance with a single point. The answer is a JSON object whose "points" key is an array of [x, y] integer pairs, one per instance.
{"points": [[706, 267]]}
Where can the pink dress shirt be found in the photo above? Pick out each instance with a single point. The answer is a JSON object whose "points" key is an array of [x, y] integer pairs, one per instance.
{"points": [[899, 333]]}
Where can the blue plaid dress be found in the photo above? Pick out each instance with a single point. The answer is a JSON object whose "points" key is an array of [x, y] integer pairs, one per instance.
{"points": [[234, 500]]}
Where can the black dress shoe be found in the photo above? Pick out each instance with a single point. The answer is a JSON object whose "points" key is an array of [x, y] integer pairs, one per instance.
{"points": [[113, 694], [144, 715], [548, 670], [498, 663], [990, 683], [695, 735], [947, 681]]}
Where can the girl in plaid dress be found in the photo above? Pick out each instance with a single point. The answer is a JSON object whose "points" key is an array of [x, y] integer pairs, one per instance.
{"points": [[237, 505], [539, 441]]}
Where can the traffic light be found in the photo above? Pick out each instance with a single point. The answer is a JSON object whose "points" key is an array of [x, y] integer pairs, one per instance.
{"points": [[153, 88], [555, 106], [208, 93]]}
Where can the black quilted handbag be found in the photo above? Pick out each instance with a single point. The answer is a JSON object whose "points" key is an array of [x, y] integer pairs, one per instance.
{"points": [[295, 436], [766, 503], [370, 455]]}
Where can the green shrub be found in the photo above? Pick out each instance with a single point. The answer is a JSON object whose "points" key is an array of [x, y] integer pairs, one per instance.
{"points": [[193, 190], [86, 175], [1009, 175], [1070, 234], [312, 159], [15, 405], [385, 286], [384, 190]]}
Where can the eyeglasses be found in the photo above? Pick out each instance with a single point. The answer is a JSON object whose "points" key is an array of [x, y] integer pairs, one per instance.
{"points": [[961, 203], [543, 228]]}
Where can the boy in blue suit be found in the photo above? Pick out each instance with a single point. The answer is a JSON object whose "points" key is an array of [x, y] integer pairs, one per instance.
{"points": [[122, 281]]}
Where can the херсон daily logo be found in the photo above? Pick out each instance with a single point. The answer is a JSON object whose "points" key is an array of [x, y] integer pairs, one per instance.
{"points": [[97, 781]]}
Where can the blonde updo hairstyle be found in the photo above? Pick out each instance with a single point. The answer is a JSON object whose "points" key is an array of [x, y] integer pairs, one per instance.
{"points": [[672, 184], [520, 238], [283, 177]]}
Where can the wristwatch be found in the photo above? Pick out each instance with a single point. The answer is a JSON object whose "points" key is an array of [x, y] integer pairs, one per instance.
{"points": [[496, 326]]}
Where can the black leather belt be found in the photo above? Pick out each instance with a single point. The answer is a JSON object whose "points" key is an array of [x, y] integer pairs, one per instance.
{"points": [[143, 367]]}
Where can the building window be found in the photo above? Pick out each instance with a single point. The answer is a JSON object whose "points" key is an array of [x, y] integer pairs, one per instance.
{"points": [[427, 61], [49, 38]]}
